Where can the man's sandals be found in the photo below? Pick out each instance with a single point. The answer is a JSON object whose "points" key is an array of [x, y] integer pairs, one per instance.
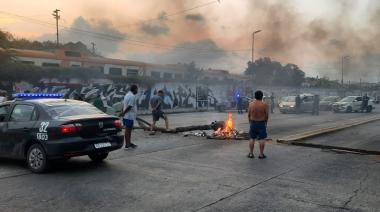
{"points": [[250, 155], [262, 156]]}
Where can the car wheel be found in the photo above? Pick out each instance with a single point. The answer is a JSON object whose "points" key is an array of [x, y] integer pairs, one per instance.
{"points": [[37, 159], [97, 158], [349, 110], [369, 109]]}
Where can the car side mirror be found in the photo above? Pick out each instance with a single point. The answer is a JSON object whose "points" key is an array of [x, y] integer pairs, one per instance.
{"points": [[2, 118]]}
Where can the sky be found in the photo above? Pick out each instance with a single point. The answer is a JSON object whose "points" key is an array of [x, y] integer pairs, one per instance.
{"points": [[216, 34]]}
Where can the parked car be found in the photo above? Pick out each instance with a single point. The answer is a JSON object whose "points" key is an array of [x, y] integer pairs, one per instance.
{"points": [[352, 104], [327, 102], [288, 104]]}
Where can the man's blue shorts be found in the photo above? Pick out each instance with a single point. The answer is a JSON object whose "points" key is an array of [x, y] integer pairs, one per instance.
{"points": [[258, 130], [128, 123]]}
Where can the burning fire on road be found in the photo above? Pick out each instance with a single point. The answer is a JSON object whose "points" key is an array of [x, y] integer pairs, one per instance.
{"points": [[228, 131]]}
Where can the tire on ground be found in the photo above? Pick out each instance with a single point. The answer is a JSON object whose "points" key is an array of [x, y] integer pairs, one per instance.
{"points": [[98, 157], [36, 159]]}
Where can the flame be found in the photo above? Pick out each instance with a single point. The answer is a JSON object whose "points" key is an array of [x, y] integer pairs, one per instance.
{"points": [[229, 123], [228, 131]]}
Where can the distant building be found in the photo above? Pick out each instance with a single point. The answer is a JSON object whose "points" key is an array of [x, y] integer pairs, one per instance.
{"points": [[214, 75], [165, 72], [68, 58]]}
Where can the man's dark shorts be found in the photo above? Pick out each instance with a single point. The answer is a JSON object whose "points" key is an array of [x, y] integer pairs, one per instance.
{"points": [[128, 123], [258, 130], [157, 114]]}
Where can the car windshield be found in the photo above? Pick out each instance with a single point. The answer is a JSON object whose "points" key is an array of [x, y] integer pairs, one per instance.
{"points": [[59, 110], [288, 99], [348, 99]]}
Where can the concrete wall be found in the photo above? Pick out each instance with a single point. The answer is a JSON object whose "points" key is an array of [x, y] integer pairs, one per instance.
{"points": [[178, 96]]}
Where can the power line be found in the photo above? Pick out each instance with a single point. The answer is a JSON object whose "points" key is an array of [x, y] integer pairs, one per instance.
{"points": [[171, 14], [116, 38]]}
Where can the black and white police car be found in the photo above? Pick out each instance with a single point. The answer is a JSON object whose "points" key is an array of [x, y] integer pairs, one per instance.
{"points": [[44, 127]]}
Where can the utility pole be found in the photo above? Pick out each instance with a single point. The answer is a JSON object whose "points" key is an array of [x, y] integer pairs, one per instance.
{"points": [[93, 47], [57, 17], [253, 45]]}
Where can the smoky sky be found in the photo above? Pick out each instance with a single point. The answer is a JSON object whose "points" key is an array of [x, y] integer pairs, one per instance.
{"points": [[101, 32], [289, 35], [195, 17], [203, 52], [156, 27]]}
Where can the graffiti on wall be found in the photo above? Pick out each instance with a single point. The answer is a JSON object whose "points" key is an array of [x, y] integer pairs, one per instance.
{"points": [[177, 95]]}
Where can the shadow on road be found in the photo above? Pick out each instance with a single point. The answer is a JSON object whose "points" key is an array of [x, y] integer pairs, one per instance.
{"points": [[76, 165]]}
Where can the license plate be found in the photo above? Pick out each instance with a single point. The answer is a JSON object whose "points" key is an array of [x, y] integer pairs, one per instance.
{"points": [[102, 145]]}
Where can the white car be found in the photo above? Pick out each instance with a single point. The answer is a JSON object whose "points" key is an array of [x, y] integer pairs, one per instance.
{"points": [[352, 104]]}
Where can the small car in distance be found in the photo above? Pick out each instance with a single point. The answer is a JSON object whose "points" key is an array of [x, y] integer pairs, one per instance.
{"points": [[40, 130], [352, 104], [288, 104]]}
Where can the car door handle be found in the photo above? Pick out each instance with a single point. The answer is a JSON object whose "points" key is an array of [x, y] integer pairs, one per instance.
{"points": [[25, 129]]}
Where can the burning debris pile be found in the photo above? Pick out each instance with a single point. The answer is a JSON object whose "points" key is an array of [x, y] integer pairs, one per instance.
{"points": [[228, 131], [216, 130]]}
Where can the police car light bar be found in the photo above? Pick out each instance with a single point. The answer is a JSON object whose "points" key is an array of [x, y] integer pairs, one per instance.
{"points": [[38, 95]]}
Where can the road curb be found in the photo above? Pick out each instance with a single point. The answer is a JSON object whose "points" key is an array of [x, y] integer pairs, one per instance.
{"points": [[299, 138]]}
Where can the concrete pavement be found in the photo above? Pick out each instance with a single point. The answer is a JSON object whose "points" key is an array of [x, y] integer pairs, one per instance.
{"points": [[364, 137], [175, 173]]}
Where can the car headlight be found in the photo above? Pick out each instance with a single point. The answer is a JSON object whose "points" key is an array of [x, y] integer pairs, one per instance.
{"points": [[291, 106]]}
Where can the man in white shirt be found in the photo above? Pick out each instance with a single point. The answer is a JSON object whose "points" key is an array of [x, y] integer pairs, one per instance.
{"points": [[3, 97], [129, 115]]}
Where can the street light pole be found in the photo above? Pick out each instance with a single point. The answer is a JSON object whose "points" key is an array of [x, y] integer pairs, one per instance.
{"points": [[253, 45]]}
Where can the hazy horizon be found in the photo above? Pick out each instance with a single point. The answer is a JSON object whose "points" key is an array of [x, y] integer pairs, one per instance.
{"points": [[313, 35]]}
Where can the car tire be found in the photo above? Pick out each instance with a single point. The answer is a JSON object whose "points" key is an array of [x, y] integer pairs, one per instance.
{"points": [[98, 158], [369, 109], [36, 159], [349, 109]]}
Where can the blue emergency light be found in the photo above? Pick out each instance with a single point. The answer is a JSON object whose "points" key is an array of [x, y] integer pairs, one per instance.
{"points": [[37, 95]]}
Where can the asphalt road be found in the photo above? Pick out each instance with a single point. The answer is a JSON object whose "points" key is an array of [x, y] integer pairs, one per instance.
{"points": [[174, 173]]}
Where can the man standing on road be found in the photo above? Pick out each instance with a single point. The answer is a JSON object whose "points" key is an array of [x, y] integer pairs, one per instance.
{"points": [[272, 104], [298, 104], [239, 104], [258, 114], [316, 105], [129, 115], [3, 96], [157, 113], [364, 105]]}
